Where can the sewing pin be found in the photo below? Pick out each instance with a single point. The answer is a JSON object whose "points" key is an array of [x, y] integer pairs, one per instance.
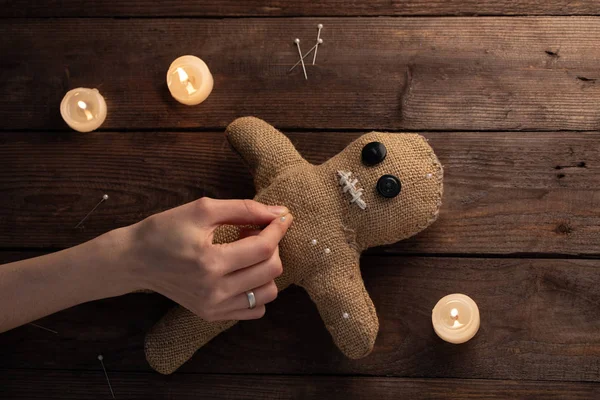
{"points": [[297, 41], [101, 358], [319, 41], [307, 53], [41, 327], [104, 198]]}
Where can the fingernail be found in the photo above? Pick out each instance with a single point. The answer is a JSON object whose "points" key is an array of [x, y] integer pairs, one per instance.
{"points": [[285, 217], [278, 210]]}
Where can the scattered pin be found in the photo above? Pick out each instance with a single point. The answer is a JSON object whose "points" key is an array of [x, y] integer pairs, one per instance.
{"points": [[346, 315], [104, 198], [429, 176], [319, 41], [101, 358], [313, 242], [41, 327], [297, 41], [327, 250]]}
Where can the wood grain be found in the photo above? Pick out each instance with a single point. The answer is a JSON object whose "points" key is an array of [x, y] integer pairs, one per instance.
{"points": [[539, 318], [277, 8], [18, 384], [490, 73], [504, 193]]}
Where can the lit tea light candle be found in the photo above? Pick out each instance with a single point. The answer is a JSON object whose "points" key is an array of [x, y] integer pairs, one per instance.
{"points": [[455, 318], [189, 80], [83, 109]]}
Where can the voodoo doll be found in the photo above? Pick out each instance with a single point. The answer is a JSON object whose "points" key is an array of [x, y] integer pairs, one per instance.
{"points": [[382, 188]]}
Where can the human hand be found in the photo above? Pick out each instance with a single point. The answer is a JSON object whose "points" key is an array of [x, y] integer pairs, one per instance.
{"points": [[172, 253]]}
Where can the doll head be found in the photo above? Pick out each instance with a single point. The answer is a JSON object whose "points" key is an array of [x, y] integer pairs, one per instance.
{"points": [[392, 184]]}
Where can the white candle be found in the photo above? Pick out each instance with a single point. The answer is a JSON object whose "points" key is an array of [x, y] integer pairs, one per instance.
{"points": [[189, 80], [455, 318], [83, 109]]}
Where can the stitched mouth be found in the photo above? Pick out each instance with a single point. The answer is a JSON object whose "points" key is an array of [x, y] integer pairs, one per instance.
{"points": [[349, 186]]}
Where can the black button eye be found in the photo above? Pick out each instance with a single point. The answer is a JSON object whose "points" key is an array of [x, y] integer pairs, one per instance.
{"points": [[389, 186], [373, 153]]}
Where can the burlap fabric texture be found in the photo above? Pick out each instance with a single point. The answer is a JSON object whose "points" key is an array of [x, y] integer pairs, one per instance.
{"points": [[328, 270]]}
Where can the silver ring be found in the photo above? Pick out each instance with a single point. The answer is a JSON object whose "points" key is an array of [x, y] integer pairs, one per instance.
{"points": [[251, 299]]}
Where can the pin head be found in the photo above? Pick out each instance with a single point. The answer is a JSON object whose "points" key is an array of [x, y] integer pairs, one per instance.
{"points": [[296, 40], [105, 197], [100, 357], [320, 41], [320, 26]]}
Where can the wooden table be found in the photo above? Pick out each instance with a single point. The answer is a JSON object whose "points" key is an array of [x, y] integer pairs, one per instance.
{"points": [[508, 95]]}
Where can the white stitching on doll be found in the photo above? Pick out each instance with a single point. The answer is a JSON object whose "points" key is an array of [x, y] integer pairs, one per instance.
{"points": [[350, 187]]}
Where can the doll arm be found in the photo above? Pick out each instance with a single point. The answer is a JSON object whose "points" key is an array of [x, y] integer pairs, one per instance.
{"points": [[345, 307], [177, 336], [267, 151]]}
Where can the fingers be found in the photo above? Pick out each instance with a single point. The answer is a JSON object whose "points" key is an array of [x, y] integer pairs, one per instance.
{"points": [[255, 276], [263, 295], [252, 250], [212, 212]]}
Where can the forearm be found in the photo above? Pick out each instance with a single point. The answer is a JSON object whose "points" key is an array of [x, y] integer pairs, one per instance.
{"points": [[31, 289]]}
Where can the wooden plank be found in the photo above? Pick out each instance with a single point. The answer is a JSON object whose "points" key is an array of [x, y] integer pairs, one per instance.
{"points": [[12, 256], [372, 73], [130, 385], [539, 318], [278, 8], [504, 193]]}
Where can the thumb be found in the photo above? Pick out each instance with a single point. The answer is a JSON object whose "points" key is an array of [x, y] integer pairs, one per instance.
{"points": [[237, 212]]}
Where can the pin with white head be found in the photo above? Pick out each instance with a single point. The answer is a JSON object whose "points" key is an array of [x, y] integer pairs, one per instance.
{"points": [[101, 359], [319, 41], [44, 328], [104, 198], [297, 41]]}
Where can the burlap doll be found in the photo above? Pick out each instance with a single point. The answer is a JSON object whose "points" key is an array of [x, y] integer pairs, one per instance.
{"points": [[384, 187]]}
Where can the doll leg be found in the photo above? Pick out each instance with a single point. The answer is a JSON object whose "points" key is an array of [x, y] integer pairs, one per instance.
{"points": [[177, 336]]}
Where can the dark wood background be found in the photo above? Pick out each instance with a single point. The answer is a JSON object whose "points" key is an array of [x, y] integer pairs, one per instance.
{"points": [[507, 92]]}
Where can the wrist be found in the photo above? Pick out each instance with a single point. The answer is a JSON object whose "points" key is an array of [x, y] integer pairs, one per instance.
{"points": [[117, 252]]}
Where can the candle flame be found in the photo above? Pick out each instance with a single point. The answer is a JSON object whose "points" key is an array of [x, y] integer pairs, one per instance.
{"points": [[183, 76], [454, 313], [185, 80], [454, 316], [83, 106]]}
